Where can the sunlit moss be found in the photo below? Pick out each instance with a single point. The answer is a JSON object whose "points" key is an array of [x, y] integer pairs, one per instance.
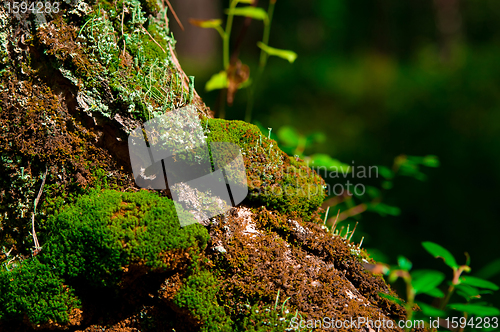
{"points": [[274, 179]]}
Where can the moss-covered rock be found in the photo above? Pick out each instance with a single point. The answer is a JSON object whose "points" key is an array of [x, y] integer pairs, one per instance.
{"points": [[274, 179], [71, 90], [198, 296], [106, 232], [34, 291], [108, 239]]}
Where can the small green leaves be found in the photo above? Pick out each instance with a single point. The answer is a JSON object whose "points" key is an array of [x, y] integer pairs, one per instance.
{"points": [[284, 54], [435, 292], [289, 136], [468, 292], [315, 137], [386, 172], [249, 11], [217, 81], [425, 281], [430, 310], [209, 24], [206, 24], [430, 161], [437, 251], [475, 309], [477, 282], [321, 159], [404, 263]]}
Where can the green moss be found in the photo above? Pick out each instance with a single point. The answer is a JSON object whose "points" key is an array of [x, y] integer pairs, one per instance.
{"points": [[199, 296], [35, 290], [274, 179], [106, 231]]}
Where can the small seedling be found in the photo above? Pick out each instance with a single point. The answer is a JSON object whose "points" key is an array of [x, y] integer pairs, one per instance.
{"points": [[429, 281]]}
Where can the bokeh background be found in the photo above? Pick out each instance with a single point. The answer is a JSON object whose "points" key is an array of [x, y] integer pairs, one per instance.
{"points": [[380, 79]]}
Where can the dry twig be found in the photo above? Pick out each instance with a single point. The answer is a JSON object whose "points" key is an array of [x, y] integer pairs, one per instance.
{"points": [[35, 239]]}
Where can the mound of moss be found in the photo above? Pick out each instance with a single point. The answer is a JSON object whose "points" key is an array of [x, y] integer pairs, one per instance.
{"points": [[100, 239], [199, 296], [35, 291], [104, 232], [274, 179]]}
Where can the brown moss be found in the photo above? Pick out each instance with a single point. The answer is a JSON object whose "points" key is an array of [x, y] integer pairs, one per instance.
{"points": [[266, 252], [60, 40]]}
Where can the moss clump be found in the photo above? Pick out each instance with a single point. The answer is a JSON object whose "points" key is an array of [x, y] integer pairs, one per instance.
{"points": [[199, 296], [107, 239], [105, 232], [34, 290], [274, 179]]}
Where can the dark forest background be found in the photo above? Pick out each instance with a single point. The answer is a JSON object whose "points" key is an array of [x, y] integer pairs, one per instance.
{"points": [[381, 79]]}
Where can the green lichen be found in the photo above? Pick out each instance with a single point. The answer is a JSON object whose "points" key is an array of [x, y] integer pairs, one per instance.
{"points": [[274, 179], [131, 54]]}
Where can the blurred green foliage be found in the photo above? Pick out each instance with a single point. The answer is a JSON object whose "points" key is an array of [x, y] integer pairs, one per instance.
{"points": [[385, 78], [476, 314], [98, 239]]}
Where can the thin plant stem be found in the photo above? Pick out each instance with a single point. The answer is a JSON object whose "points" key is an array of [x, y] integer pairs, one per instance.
{"points": [[262, 62], [267, 32], [37, 199], [227, 33]]}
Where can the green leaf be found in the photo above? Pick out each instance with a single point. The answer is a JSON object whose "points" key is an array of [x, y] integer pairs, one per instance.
{"points": [[435, 292], [437, 251], [430, 310], [321, 159], [384, 209], [424, 281], [430, 161], [284, 54], [404, 263], [393, 276], [466, 291], [477, 282], [316, 137], [474, 309], [217, 81], [289, 136], [249, 11], [490, 270], [391, 298], [385, 172], [207, 24]]}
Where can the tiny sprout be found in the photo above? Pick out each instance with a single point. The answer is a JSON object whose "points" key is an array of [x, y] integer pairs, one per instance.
{"points": [[361, 242], [270, 129]]}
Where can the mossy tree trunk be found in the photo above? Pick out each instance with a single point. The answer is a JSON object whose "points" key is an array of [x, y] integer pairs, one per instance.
{"points": [[74, 82]]}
